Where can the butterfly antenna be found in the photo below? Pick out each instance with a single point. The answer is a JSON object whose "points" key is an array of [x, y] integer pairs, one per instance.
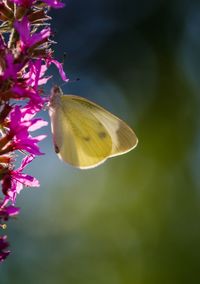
{"points": [[70, 81], [63, 62]]}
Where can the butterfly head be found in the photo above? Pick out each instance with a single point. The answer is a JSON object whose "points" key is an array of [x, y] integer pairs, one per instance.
{"points": [[56, 94]]}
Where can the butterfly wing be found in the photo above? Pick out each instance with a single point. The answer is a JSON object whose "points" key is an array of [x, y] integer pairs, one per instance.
{"points": [[85, 134], [123, 137], [80, 139]]}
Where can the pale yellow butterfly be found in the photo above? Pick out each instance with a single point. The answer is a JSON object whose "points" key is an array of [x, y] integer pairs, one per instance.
{"points": [[85, 134]]}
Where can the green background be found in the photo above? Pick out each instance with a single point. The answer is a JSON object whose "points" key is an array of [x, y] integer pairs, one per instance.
{"points": [[136, 218]]}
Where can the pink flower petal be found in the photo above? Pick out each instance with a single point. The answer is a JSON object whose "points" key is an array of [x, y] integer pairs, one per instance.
{"points": [[26, 38], [27, 160], [27, 180], [60, 69], [54, 3], [37, 124]]}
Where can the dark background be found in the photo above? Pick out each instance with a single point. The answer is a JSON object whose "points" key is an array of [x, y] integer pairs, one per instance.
{"points": [[136, 218]]}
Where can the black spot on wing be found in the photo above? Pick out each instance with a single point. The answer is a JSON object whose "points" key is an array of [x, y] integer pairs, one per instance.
{"points": [[102, 135], [86, 138]]}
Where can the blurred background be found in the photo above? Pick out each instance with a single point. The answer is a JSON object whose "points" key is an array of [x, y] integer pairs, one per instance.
{"points": [[136, 218]]}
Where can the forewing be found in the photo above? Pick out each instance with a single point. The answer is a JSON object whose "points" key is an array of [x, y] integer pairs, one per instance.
{"points": [[123, 137], [80, 139]]}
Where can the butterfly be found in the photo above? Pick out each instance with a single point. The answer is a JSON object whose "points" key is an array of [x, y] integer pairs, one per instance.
{"points": [[85, 134]]}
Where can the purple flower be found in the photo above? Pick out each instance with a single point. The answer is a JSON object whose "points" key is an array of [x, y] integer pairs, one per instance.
{"points": [[60, 68], [7, 212], [14, 181], [54, 3], [28, 39], [35, 75], [11, 69], [25, 56], [19, 91], [28, 3], [3, 248], [19, 127], [24, 3]]}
